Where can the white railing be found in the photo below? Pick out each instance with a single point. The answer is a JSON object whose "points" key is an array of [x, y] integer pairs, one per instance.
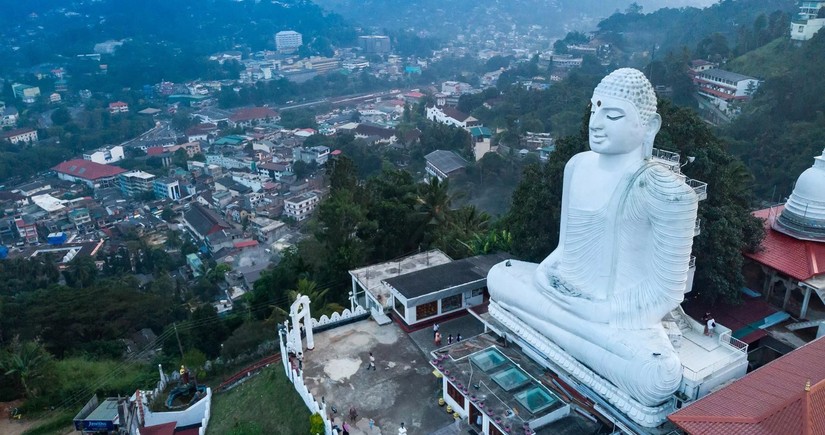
{"points": [[670, 158], [726, 338], [692, 262], [701, 188]]}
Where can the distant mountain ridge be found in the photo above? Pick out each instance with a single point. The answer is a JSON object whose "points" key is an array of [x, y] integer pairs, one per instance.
{"points": [[443, 18]]}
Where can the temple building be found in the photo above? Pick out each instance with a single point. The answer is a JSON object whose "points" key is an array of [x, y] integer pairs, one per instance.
{"points": [[789, 266]]}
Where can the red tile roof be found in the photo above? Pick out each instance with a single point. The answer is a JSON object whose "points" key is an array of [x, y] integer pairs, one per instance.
{"points": [[159, 429], [771, 400], [15, 132], [799, 259], [87, 170], [252, 113], [155, 151], [246, 244]]}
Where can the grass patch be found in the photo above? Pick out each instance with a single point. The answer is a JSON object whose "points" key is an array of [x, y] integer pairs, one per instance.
{"points": [[770, 60], [56, 425], [264, 404]]}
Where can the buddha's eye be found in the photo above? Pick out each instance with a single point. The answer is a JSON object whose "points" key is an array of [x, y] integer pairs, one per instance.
{"points": [[615, 117]]}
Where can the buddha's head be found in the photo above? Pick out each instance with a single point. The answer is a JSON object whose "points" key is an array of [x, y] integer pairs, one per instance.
{"points": [[623, 114]]}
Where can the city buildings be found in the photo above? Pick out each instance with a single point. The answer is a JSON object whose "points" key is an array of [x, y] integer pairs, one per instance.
{"points": [[118, 107], [105, 155], [287, 41], [167, 188], [444, 164]]}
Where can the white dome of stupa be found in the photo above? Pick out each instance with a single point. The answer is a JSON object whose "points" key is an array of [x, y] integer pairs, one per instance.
{"points": [[804, 213]]}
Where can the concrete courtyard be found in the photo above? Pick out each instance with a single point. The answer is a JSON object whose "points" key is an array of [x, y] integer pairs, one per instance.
{"points": [[401, 389]]}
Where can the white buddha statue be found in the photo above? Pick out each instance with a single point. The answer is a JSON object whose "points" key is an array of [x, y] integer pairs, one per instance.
{"points": [[625, 238]]}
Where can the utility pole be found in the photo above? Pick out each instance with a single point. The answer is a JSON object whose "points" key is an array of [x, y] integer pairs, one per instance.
{"points": [[175, 325]]}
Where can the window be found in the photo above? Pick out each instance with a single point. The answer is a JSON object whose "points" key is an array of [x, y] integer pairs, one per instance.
{"points": [[477, 292], [455, 395], [451, 303], [801, 28], [426, 310], [400, 308]]}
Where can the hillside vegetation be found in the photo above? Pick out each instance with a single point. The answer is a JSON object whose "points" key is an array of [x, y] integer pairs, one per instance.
{"points": [[767, 61]]}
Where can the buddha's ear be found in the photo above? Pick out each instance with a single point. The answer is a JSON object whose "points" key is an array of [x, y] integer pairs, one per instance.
{"points": [[653, 126]]}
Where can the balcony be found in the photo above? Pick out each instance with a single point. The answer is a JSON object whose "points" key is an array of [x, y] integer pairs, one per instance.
{"points": [[697, 228], [667, 158], [692, 263], [701, 188]]}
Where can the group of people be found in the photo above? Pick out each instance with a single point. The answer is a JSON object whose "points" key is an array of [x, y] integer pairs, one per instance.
{"points": [[353, 416], [437, 336]]}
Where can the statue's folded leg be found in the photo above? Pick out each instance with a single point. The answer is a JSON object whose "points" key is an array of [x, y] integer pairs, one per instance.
{"points": [[641, 362]]}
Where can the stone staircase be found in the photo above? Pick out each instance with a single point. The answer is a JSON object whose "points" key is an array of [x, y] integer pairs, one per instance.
{"points": [[380, 317]]}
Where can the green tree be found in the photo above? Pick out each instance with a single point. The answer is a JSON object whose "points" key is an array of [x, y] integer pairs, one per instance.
{"points": [[27, 361]]}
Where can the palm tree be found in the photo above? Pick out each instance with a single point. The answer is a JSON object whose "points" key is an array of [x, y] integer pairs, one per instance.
{"points": [[318, 304], [28, 360], [434, 200]]}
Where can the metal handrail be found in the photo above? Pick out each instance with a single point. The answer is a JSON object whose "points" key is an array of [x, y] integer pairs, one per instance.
{"points": [[692, 262], [700, 187], [665, 155]]}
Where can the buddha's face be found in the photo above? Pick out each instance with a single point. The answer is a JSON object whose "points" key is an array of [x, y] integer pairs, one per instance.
{"points": [[615, 127]]}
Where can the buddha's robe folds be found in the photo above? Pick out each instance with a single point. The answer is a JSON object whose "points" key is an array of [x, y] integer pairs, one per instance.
{"points": [[620, 267]]}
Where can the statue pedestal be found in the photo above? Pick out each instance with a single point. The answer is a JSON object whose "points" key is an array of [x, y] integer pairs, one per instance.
{"points": [[646, 416]]}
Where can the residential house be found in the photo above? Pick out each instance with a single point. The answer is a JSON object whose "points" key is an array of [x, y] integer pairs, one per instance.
{"points": [[250, 116], [275, 170], [26, 228], [134, 183], [267, 230], [90, 173], [167, 188], [105, 155], [8, 116], [203, 221], [376, 134], [317, 154], [118, 107], [203, 132], [444, 164], [300, 207], [808, 21], [20, 135], [450, 116]]}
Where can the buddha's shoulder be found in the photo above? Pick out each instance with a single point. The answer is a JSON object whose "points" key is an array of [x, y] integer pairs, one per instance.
{"points": [[655, 177]]}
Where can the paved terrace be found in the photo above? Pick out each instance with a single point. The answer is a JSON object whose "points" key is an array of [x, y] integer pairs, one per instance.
{"points": [[402, 389]]}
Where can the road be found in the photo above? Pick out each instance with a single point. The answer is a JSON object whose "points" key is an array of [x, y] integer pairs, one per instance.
{"points": [[346, 100]]}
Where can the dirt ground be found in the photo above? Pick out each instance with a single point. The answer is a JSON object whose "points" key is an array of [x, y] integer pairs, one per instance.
{"points": [[12, 427]]}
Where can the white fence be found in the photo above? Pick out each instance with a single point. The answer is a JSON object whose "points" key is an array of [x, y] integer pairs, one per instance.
{"points": [[339, 317]]}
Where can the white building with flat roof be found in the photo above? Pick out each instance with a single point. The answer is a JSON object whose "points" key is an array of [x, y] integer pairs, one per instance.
{"points": [[808, 21], [105, 155], [287, 41], [300, 207]]}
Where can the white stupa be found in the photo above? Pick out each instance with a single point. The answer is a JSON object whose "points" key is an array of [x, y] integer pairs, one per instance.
{"points": [[804, 214]]}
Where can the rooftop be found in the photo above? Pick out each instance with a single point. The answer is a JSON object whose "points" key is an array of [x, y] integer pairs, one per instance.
{"points": [[445, 161], [799, 259], [784, 396], [443, 276], [371, 278], [725, 75], [87, 169]]}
